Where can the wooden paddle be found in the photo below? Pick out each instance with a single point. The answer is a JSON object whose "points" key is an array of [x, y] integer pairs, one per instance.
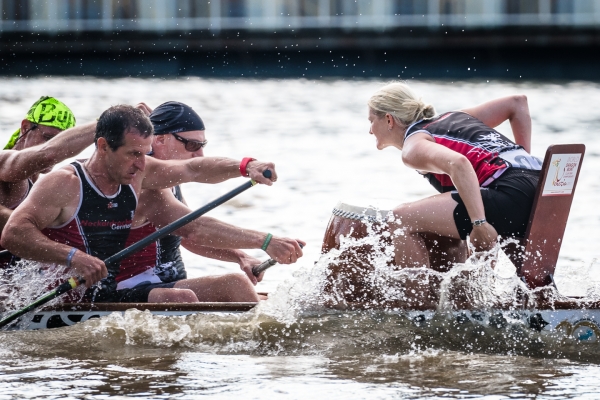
{"points": [[73, 282]]}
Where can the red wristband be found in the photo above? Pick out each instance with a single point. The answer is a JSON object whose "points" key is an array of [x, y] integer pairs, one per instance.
{"points": [[244, 164]]}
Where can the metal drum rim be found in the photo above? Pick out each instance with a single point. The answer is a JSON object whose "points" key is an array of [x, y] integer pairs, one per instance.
{"points": [[359, 213]]}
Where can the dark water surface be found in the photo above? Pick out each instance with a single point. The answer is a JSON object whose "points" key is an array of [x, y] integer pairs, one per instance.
{"points": [[317, 133]]}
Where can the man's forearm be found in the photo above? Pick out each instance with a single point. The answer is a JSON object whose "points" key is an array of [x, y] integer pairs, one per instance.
{"points": [[210, 232], [160, 174], [70, 142], [227, 255], [214, 169], [26, 241], [22, 164]]}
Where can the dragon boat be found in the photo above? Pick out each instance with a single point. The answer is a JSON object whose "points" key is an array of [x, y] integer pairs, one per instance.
{"points": [[534, 258]]}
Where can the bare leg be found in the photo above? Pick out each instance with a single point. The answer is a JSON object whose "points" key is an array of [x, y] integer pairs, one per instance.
{"points": [[224, 288], [172, 296], [444, 252], [430, 215]]}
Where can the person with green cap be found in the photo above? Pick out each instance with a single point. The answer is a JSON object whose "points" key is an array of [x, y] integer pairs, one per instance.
{"points": [[35, 148]]}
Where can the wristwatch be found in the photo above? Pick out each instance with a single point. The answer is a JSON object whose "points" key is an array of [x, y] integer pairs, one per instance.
{"points": [[479, 222]]}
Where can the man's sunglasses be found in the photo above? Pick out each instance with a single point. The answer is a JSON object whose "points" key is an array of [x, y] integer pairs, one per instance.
{"points": [[190, 145]]}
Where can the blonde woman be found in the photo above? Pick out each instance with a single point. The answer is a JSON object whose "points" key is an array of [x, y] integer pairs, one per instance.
{"points": [[486, 181]]}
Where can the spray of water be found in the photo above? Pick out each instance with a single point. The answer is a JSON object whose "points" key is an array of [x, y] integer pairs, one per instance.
{"points": [[26, 281], [395, 312]]}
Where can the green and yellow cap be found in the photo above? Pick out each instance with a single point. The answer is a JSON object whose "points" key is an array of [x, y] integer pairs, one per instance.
{"points": [[46, 111]]}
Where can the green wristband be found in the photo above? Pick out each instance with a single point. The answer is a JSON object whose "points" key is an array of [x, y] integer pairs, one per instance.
{"points": [[266, 242]]}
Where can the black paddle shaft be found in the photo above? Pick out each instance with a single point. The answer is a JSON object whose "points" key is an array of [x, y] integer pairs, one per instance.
{"points": [[134, 248], [186, 219]]}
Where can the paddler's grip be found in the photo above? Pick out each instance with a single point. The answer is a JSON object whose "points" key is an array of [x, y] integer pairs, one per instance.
{"points": [[267, 264], [72, 283], [263, 266], [266, 173]]}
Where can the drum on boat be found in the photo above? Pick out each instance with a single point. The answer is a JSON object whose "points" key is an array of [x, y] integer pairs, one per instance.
{"points": [[354, 221], [350, 275], [351, 221]]}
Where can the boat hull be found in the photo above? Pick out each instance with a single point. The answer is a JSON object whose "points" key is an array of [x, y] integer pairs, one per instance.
{"points": [[70, 314], [581, 324]]}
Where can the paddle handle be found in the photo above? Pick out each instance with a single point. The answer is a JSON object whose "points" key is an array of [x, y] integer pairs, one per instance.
{"points": [[266, 265], [263, 266]]}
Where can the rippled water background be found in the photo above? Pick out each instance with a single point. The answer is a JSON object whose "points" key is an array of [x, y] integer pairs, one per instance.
{"points": [[316, 133]]}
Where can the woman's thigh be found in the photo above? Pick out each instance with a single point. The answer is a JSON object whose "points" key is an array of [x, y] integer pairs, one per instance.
{"points": [[433, 214]]}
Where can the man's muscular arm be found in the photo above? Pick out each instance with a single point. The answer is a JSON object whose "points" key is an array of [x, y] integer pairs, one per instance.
{"points": [[4, 215], [161, 174], [245, 261], [21, 164], [47, 205], [162, 208]]}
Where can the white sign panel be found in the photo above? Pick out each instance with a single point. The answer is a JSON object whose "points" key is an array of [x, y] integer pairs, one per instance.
{"points": [[561, 174]]}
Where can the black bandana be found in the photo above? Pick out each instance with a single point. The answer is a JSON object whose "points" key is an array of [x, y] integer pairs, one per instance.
{"points": [[175, 117]]}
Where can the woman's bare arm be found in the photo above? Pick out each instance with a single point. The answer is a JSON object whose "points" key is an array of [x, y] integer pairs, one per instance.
{"points": [[515, 109], [422, 153]]}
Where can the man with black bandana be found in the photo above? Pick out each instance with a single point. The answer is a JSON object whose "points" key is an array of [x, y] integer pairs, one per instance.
{"points": [[179, 133]]}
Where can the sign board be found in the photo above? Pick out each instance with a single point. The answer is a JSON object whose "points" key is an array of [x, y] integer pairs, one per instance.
{"points": [[562, 173]]}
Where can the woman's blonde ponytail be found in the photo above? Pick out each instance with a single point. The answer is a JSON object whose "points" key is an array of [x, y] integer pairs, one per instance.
{"points": [[399, 100]]}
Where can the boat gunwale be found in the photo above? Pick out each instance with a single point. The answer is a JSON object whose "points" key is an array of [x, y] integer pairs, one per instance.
{"points": [[163, 307]]}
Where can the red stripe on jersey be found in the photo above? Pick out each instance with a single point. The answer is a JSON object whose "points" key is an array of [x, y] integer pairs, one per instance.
{"points": [[484, 163], [144, 259], [69, 235]]}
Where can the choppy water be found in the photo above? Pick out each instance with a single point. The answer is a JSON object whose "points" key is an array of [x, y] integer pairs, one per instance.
{"points": [[292, 346]]}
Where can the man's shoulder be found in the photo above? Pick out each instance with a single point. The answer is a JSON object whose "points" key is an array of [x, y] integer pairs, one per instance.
{"points": [[63, 178], [66, 171]]}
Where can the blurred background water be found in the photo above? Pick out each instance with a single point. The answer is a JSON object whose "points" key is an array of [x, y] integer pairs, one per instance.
{"points": [[316, 131]]}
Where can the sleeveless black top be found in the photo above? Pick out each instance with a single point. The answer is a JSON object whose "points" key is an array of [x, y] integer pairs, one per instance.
{"points": [[490, 153], [100, 227]]}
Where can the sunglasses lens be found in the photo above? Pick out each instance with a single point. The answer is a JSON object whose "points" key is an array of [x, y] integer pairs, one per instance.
{"points": [[194, 145]]}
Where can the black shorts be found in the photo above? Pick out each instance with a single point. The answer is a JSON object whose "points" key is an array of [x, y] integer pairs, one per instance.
{"points": [[507, 203], [140, 293]]}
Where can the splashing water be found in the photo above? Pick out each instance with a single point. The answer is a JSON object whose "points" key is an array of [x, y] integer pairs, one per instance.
{"points": [[26, 281], [309, 314]]}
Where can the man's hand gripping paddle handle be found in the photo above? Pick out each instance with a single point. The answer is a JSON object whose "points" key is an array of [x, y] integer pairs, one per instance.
{"points": [[266, 265], [73, 282]]}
